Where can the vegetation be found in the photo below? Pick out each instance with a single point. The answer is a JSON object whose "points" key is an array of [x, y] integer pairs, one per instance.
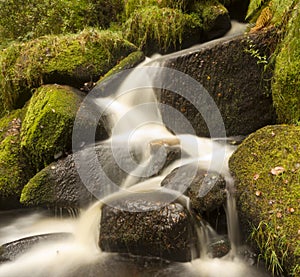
{"points": [[286, 84], [47, 128], [155, 29], [24, 20], [66, 59], [13, 169], [266, 166]]}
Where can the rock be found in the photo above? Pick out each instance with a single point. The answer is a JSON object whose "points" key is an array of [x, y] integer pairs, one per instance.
{"points": [[13, 169], [268, 202], [215, 19], [47, 126], [72, 59], [237, 9], [162, 30], [68, 184], [231, 76], [205, 189], [12, 250], [148, 224], [219, 247]]}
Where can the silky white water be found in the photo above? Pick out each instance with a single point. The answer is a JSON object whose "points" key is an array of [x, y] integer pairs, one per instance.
{"points": [[135, 122]]}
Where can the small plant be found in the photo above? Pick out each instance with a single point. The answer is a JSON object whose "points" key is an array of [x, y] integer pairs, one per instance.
{"points": [[255, 53], [272, 245]]}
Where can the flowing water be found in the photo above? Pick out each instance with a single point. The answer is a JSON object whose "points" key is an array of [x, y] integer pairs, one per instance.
{"points": [[136, 123]]}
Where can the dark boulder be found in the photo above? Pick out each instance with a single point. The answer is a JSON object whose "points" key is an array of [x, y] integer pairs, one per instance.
{"points": [[148, 224], [91, 173], [235, 79]]}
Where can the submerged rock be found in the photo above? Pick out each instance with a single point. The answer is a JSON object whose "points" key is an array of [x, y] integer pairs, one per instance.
{"points": [[148, 224], [267, 171], [12, 250]]}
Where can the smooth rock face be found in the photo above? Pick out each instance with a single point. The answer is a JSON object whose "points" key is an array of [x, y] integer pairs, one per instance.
{"points": [[233, 78], [148, 225], [97, 172]]}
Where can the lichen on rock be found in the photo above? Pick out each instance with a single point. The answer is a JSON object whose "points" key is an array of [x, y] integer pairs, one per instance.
{"points": [[267, 171]]}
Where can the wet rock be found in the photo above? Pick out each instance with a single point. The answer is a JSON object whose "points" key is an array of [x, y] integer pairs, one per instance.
{"points": [[149, 224], [12, 250], [219, 247], [233, 78], [91, 173], [205, 189]]}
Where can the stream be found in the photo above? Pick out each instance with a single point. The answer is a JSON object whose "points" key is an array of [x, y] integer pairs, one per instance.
{"points": [[70, 244]]}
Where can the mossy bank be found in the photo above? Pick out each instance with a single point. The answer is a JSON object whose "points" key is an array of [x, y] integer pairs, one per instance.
{"points": [[267, 171], [66, 59]]}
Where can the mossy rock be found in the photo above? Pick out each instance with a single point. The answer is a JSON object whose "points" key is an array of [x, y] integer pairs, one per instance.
{"points": [[286, 84], [13, 170], [30, 19], [267, 171], [215, 18], [129, 62], [71, 59], [132, 5], [162, 30], [47, 128]]}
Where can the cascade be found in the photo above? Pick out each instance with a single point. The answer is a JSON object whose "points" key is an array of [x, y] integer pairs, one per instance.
{"points": [[135, 123]]}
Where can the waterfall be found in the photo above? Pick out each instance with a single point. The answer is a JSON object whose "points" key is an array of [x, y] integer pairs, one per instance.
{"points": [[136, 124]]}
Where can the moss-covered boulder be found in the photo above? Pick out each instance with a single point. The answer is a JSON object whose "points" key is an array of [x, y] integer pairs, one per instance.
{"points": [[286, 85], [33, 18], [215, 18], [162, 30], [71, 59], [267, 171], [13, 170], [47, 127]]}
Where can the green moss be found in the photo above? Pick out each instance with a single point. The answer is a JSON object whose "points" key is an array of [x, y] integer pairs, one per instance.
{"points": [[132, 5], [13, 170], [161, 29], [209, 11], [48, 123], [27, 19], [270, 201], [69, 59], [37, 191], [286, 84], [130, 61]]}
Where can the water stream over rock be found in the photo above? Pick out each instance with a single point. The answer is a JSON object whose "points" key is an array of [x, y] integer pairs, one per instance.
{"points": [[136, 126]]}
